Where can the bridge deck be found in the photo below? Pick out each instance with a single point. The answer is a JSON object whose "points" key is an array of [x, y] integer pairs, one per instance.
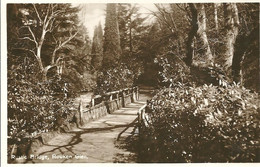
{"points": [[102, 140]]}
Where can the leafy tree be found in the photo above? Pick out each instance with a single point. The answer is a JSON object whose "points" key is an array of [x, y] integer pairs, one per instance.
{"points": [[114, 79], [244, 65], [173, 70], [132, 31], [131, 28], [48, 29], [97, 47], [150, 46], [123, 72], [230, 34], [174, 25], [124, 15], [78, 64], [216, 46], [111, 48], [35, 33]]}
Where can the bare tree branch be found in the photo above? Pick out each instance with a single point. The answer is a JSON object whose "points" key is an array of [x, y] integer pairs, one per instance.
{"points": [[69, 39], [51, 27], [37, 13], [34, 38], [183, 9], [164, 19], [46, 16], [49, 67], [170, 15], [27, 38], [57, 12], [60, 58], [62, 44]]}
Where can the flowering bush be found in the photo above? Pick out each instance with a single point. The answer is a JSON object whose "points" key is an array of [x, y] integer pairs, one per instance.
{"points": [[204, 124]]}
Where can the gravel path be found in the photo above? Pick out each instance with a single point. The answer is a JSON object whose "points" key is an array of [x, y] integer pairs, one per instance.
{"points": [[108, 139]]}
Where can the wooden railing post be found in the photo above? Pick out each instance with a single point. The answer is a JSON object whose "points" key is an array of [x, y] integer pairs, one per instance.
{"points": [[137, 93], [139, 122], [123, 98], [93, 102], [102, 104], [110, 96], [80, 121], [141, 119], [117, 95], [132, 95]]}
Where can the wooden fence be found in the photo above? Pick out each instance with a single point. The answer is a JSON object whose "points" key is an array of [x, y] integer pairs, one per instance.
{"points": [[143, 119], [98, 107], [101, 105]]}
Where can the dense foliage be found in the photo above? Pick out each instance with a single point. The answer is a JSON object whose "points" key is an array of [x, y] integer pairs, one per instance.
{"points": [[123, 32], [37, 105], [33, 107], [111, 48], [117, 78], [203, 124], [172, 70], [97, 48], [131, 28]]}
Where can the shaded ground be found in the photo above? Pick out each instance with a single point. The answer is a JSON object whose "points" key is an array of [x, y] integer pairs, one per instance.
{"points": [[108, 139]]}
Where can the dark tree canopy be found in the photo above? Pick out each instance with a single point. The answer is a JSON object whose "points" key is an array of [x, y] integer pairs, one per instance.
{"points": [[97, 47], [112, 50]]}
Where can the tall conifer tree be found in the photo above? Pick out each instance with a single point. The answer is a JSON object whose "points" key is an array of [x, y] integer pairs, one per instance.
{"points": [[112, 50], [97, 47]]}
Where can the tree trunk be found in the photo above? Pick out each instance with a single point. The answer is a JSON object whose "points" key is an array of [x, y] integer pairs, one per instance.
{"points": [[53, 56], [130, 37], [191, 35], [230, 34], [39, 59], [198, 22], [216, 5], [60, 66], [201, 33], [241, 46]]}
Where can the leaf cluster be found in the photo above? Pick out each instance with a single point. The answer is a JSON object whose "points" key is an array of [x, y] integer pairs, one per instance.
{"points": [[116, 78], [203, 124]]}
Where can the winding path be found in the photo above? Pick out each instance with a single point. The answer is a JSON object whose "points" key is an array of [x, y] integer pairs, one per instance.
{"points": [[108, 139]]}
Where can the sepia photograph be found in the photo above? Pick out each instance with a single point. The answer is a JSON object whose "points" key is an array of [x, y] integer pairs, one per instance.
{"points": [[130, 82]]}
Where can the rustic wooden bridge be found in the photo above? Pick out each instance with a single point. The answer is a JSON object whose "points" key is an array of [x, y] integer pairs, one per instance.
{"points": [[108, 132]]}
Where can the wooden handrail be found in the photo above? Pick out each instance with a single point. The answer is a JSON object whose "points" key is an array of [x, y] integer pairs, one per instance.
{"points": [[142, 108], [142, 116], [113, 93]]}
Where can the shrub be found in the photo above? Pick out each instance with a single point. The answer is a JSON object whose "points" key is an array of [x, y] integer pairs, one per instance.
{"points": [[33, 107], [173, 69], [115, 78], [31, 110], [204, 124]]}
